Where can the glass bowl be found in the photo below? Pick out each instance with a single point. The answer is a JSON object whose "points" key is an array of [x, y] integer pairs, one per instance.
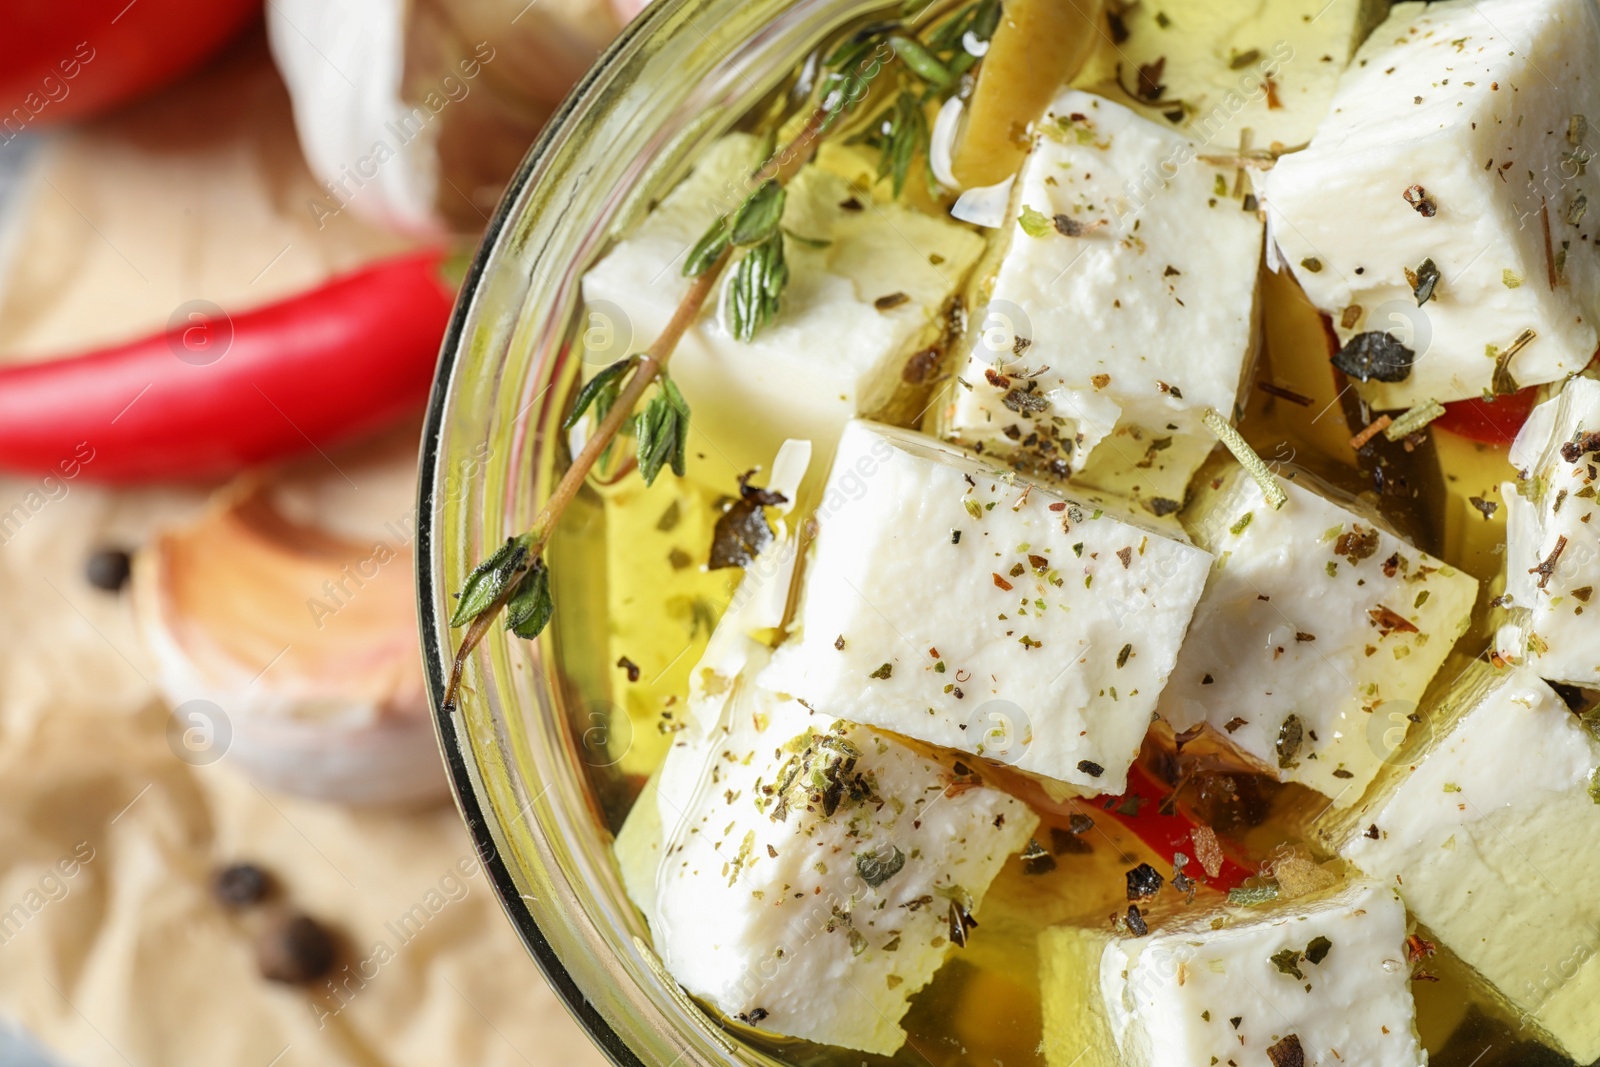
{"points": [[523, 751]]}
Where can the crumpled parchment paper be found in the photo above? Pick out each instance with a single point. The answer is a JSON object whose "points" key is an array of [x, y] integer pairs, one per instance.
{"points": [[112, 949]]}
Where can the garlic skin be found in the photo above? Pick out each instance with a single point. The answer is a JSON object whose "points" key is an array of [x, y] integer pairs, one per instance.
{"points": [[305, 639]]}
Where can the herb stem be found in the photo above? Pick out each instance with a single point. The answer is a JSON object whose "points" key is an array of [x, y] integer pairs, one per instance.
{"points": [[782, 168]]}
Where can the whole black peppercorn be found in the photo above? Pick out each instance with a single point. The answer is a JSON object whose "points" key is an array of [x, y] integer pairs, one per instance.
{"points": [[294, 949], [108, 569], [239, 885]]}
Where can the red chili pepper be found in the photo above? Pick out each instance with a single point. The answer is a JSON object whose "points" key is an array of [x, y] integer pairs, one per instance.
{"points": [[1139, 809], [70, 61], [1493, 422], [222, 393]]}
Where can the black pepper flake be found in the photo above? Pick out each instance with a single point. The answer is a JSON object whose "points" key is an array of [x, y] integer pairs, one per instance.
{"points": [[240, 884], [1424, 281], [1161, 507], [875, 868], [891, 301], [1036, 860], [1067, 226], [753, 1016], [838, 642], [1067, 842], [1234, 723], [1290, 736], [1375, 356], [1136, 921], [1235, 1021], [1581, 445], [1144, 882], [294, 949], [1420, 201], [108, 569], [1150, 87], [1093, 770], [1317, 950], [961, 921], [852, 204], [955, 537], [1021, 401], [1287, 1053], [920, 367], [882, 672], [1485, 507], [630, 667]]}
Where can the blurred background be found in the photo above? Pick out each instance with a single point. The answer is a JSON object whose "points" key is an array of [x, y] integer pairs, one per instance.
{"points": [[230, 236]]}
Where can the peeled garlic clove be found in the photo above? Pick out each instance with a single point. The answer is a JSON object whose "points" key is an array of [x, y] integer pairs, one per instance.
{"points": [[303, 641]]}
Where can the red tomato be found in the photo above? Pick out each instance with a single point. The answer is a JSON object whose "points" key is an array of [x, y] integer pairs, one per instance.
{"points": [[1493, 422], [71, 60]]}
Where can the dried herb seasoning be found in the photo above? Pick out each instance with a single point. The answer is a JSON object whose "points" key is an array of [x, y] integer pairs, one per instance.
{"points": [[1376, 355], [875, 868], [1144, 882]]}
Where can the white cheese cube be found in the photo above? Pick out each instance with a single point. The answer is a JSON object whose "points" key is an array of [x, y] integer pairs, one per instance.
{"points": [[815, 871], [1458, 142], [1553, 540], [1318, 632], [1325, 976], [852, 314], [971, 610], [1120, 246], [1223, 71], [1490, 834]]}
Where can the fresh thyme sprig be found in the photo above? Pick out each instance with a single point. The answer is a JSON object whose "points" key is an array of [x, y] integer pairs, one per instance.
{"points": [[932, 72], [515, 577]]}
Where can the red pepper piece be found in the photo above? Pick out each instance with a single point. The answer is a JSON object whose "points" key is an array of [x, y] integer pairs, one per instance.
{"points": [[1493, 422], [1139, 809], [70, 61], [214, 396]]}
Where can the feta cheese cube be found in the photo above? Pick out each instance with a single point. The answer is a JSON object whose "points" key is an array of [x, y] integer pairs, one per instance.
{"points": [[815, 873], [1489, 832], [1316, 626], [1119, 245], [1325, 975], [852, 314], [972, 610], [1218, 72], [1552, 540], [1456, 148]]}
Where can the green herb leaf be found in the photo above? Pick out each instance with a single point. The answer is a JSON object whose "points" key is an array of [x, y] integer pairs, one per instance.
{"points": [[921, 62], [876, 868], [490, 578], [529, 610], [1427, 281], [662, 431], [1034, 223], [1271, 491], [758, 217], [900, 134], [1252, 897], [600, 392], [708, 249], [755, 289], [1288, 962], [1318, 950]]}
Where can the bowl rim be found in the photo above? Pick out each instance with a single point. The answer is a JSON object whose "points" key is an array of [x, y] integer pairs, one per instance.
{"points": [[454, 752]]}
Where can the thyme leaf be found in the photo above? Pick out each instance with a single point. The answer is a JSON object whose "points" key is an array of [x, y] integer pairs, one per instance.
{"points": [[755, 289], [599, 392], [489, 580], [530, 608], [662, 432]]}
